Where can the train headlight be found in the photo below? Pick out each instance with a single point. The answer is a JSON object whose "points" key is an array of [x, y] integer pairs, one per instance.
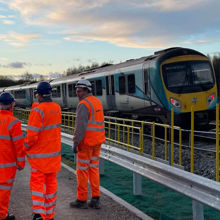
{"points": [[175, 103], [210, 99]]}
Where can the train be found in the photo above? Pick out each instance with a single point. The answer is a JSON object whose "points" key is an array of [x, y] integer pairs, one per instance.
{"points": [[147, 88]]}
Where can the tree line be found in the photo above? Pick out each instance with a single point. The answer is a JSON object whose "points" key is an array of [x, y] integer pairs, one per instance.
{"points": [[25, 78]]}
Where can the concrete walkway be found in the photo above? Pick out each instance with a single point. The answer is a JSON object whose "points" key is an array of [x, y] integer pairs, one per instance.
{"points": [[20, 203]]}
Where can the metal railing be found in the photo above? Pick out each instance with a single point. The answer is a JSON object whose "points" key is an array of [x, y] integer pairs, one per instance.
{"points": [[135, 135], [199, 189]]}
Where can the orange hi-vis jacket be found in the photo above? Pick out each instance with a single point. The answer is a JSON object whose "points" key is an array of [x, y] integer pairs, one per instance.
{"points": [[95, 131], [43, 139], [34, 104], [12, 152]]}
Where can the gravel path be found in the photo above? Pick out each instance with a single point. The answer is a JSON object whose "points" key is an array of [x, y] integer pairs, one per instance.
{"points": [[20, 204]]}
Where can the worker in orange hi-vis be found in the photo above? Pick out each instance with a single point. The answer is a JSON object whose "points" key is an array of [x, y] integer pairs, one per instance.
{"points": [[12, 154], [89, 134], [43, 148], [34, 104]]}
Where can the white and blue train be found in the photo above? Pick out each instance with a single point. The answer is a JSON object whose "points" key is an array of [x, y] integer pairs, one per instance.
{"points": [[148, 87]]}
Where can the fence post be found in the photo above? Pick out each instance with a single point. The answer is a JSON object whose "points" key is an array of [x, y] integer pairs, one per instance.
{"points": [[197, 210], [217, 143], [153, 140], [101, 166], [137, 184], [169, 153], [172, 137], [192, 141]]}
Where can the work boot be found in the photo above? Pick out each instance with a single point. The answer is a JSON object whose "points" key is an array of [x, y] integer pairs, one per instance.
{"points": [[95, 203], [37, 217], [79, 204], [9, 217]]}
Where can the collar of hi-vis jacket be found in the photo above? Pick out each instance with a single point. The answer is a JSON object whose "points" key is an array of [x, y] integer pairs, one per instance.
{"points": [[7, 112], [84, 97], [46, 99]]}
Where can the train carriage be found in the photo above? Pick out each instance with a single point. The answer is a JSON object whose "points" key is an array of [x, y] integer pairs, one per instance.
{"points": [[148, 87], [23, 94]]}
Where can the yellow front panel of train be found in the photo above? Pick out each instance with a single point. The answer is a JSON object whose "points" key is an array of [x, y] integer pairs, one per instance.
{"points": [[200, 101]]}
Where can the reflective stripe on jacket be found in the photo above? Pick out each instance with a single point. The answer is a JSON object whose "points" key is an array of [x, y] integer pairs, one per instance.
{"points": [[43, 140], [95, 130], [12, 151]]}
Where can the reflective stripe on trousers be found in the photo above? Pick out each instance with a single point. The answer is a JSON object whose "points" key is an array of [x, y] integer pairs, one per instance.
{"points": [[5, 192], [88, 169], [44, 193], [46, 155]]}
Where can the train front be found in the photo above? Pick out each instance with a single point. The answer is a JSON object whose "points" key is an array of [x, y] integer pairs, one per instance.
{"points": [[189, 82]]}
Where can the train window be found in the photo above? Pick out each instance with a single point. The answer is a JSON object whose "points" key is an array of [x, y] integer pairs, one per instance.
{"points": [[113, 85], [107, 85], [131, 83], [20, 94], [56, 92], [146, 81], [93, 87], [202, 73], [98, 91], [72, 90], [122, 87], [97, 87]]}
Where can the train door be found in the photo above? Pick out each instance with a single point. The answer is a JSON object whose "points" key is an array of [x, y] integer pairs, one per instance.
{"points": [[110, 92], [64, 95], [146, 83]]}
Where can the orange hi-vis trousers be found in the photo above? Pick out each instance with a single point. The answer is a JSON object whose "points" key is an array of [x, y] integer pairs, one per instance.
{"points": [[88, 169], [5, 192], [44, 193]]}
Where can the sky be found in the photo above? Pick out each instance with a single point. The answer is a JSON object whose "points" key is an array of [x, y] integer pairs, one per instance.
{"points": [[50, 36]]}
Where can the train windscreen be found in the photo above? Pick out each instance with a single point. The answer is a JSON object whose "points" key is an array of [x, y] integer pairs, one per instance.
{"points": [[188, 76]]}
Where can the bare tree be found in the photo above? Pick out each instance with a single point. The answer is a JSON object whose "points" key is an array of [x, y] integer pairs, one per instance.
{"points": [[27, 77], [80, 68]]}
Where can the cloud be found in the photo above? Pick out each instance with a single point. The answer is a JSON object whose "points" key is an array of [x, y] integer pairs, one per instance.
{"points": [[134, 23], [3, 58], [15, 65], [8, 22], [7, 19], [17, 39], [169, 5]]}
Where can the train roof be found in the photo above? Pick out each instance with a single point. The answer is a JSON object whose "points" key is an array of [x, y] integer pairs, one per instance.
{"points": [[21, 86], [101, 69], [162, 54]]}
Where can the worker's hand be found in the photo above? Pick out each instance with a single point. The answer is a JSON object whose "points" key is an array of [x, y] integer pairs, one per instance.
{"points": [[74, 148], [19, 167]]}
